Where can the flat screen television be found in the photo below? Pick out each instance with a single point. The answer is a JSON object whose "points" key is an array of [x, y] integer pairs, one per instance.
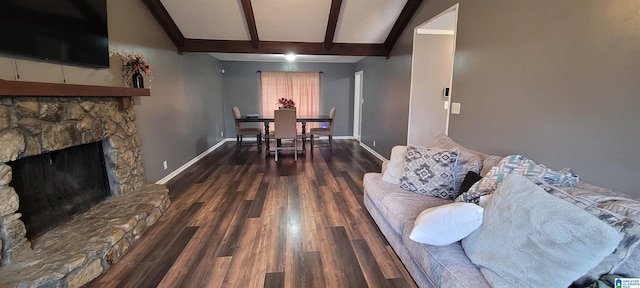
{"points": [[59, 31]]}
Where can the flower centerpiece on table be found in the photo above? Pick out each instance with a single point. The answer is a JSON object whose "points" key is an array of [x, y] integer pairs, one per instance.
{"points": [[132, 64], [284, 103]]}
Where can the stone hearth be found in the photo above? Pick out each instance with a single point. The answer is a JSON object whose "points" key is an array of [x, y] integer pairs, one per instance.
{"points": [[76, 252]]}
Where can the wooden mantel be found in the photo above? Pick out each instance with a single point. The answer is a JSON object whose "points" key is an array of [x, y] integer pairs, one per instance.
{"points": [[38, 89]]}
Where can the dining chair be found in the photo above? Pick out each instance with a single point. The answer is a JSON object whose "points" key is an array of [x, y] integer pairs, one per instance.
{"points": [[286, 128], [240, 131], [324, 131]]}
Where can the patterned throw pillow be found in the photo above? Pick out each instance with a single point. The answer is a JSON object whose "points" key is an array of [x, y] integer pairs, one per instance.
{"points": [[468, 160], [517, 164], [429, 171], [488, 163]]}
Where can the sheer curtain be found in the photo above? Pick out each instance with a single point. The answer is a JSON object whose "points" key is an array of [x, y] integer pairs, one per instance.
{"points": [[302, 87]]}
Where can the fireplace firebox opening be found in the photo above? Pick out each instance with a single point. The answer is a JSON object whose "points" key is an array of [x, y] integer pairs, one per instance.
{"points": [[56, 185]]}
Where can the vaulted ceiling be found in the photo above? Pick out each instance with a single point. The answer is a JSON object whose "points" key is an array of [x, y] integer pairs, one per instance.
{"points": [[311, 27]]}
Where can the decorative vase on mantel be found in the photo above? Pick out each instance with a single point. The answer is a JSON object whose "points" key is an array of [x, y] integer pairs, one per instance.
{"points": [[136, 80]]}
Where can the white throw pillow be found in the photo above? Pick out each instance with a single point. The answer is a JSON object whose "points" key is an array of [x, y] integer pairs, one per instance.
{"points": [[395, 165], [446, 224], [532, 239]]}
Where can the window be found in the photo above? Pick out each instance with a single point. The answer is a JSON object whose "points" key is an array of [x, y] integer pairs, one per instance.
{"points": [[302, 87]]}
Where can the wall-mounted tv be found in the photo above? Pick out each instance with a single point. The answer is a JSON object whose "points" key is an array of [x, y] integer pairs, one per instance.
{"points": [[59, 31]]}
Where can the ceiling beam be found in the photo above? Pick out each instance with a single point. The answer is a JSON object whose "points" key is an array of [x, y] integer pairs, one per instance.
{"points": [[276, 47], [251, 23], [332, 23], [328, 47], [164, 19], [402, 21]]}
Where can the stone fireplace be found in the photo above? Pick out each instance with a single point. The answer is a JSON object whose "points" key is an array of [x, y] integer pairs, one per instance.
{"points": [[77, 251]]}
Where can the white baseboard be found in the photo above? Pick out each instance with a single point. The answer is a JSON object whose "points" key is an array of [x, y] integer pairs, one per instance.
{"points": [[253, 139], [192, 161], [336, 137], [244, 139], [214, 147], [343, 137], [373, 152]]}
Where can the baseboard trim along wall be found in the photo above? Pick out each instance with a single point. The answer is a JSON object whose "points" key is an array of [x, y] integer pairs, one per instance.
{"points": [[253, 138], [191, 162], [170, 176], [373, 152]]}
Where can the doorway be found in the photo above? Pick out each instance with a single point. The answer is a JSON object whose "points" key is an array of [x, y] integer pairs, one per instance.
{"points": [[431, 77], [357, 106]]}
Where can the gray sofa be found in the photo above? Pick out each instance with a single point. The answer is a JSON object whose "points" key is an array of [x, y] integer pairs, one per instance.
{"points": [[394, 211]]}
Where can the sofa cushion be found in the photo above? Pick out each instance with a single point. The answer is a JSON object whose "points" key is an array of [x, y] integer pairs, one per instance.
{"points": [[446, 265], [446, 224], [616, 202], [627, 227], [397, 205], [546, 235], [429, 171], [468, 160], [395, 165]]}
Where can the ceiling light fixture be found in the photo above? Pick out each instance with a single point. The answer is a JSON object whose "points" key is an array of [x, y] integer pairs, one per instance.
{"points": [[290, 57]]}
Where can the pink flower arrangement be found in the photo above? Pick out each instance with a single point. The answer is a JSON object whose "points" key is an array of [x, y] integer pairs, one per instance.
{"points": [[134, 63], [285, 103]]}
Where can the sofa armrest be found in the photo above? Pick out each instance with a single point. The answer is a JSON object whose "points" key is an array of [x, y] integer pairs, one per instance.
{"points": [[384, 166]]}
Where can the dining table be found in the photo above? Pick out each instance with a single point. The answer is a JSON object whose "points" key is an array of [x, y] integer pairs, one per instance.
{"points": [[304, 119]]}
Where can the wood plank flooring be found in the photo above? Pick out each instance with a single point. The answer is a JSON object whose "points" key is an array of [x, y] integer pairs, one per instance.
{"points": [[243, 220]]}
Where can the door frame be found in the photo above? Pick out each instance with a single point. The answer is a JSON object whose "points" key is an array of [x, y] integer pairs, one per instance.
{"points": [[455, 8]]}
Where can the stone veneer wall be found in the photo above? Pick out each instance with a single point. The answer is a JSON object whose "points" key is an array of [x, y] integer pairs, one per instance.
{"points": [[34, 125]]}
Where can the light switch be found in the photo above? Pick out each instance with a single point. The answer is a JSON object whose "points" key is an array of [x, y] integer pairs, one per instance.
{"points": [[446, 105], [455, 108]]}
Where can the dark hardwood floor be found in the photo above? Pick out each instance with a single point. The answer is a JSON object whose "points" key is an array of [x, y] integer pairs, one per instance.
{"points": [[243, 220]]}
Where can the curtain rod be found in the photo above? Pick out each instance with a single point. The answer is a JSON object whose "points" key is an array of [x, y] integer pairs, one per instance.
{"points": [[259, 71]]}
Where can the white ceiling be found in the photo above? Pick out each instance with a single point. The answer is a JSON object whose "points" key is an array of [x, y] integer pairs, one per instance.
{"points": [[291, 20], [359, 21], [367, 21], [208, 19]]}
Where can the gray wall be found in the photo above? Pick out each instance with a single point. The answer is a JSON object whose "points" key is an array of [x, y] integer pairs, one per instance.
{"points": [[386, 84], [556, 81], [186, 119], [241, 86], [183, 116]]}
